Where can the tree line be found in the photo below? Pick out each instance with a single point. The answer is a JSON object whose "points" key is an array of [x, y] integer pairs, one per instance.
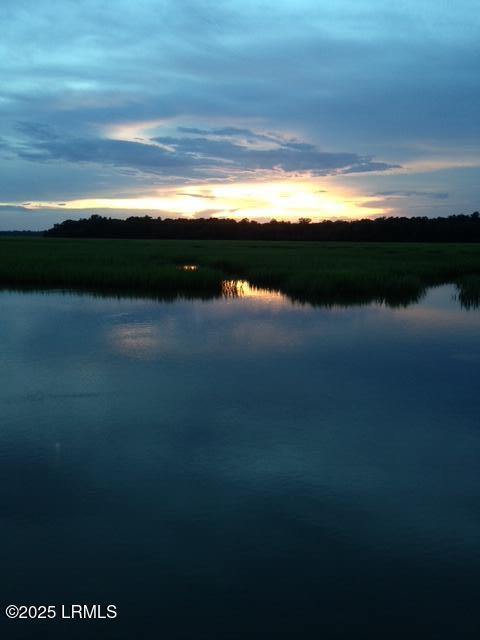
{"points": [[455, 228]]}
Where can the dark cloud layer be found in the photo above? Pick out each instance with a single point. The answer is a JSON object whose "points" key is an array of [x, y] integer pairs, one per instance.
{"points": [[434, 195], [213, 154]]}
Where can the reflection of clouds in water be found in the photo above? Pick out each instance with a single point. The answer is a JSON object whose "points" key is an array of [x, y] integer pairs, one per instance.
{"points": [[142, 341], [431, 318], [265, 321], [149, 341], [320, 426], [235, 326], [239, 320], [439, 309]]}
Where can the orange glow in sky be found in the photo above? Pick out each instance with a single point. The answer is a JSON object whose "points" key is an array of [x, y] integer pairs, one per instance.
{"points": [[283, 200]]}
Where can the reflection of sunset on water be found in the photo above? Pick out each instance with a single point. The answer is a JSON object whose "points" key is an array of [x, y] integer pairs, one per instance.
{"points": [[243, 289], [249, 318], [137, 340]]}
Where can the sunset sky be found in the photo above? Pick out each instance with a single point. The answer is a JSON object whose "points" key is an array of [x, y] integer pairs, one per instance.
{"points": [[286, 109]]}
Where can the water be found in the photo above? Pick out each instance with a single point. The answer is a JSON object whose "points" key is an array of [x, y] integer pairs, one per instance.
{"points": [[241, 468]]}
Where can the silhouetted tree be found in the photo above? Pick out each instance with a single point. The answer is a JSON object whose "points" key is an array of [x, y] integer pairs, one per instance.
{"points": [[457, 228]]}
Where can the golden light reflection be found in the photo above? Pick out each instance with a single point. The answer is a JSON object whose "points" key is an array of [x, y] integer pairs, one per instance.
{"points": [[243, 289], [279, 199]]}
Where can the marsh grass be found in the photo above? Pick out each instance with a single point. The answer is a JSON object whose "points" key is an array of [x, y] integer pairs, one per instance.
{"points": [[319, 273], [469, 291]]}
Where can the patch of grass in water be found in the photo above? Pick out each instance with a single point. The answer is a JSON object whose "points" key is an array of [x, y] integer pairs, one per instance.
{"points": [[469, 291], [314, 272]]}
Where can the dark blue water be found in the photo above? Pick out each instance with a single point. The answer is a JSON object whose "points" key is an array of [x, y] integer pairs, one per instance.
{"points": [[240, 468]]}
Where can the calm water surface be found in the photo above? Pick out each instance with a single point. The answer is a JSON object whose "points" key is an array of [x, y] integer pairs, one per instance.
{"points": [[241, 468]]}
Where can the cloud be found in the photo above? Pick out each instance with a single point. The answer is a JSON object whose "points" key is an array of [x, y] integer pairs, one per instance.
{"points": [[202, 156], [121, 153], [348, 70], [13, 207], [211, 213], [37, 130], [290, 85], [196, 195], [434, 195], [231, 132], [19, 218]]}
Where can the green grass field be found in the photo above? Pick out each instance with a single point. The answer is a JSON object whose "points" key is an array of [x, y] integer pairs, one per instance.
{"points": [[320, 273]]}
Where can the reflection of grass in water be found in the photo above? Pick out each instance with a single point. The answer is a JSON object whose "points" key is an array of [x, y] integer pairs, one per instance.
{"points": [[241, 289], [469, 291], [321, 273], [231, 289]]}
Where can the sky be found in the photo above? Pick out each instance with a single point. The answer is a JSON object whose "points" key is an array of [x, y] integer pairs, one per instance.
{"points": [[240, 109]]}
